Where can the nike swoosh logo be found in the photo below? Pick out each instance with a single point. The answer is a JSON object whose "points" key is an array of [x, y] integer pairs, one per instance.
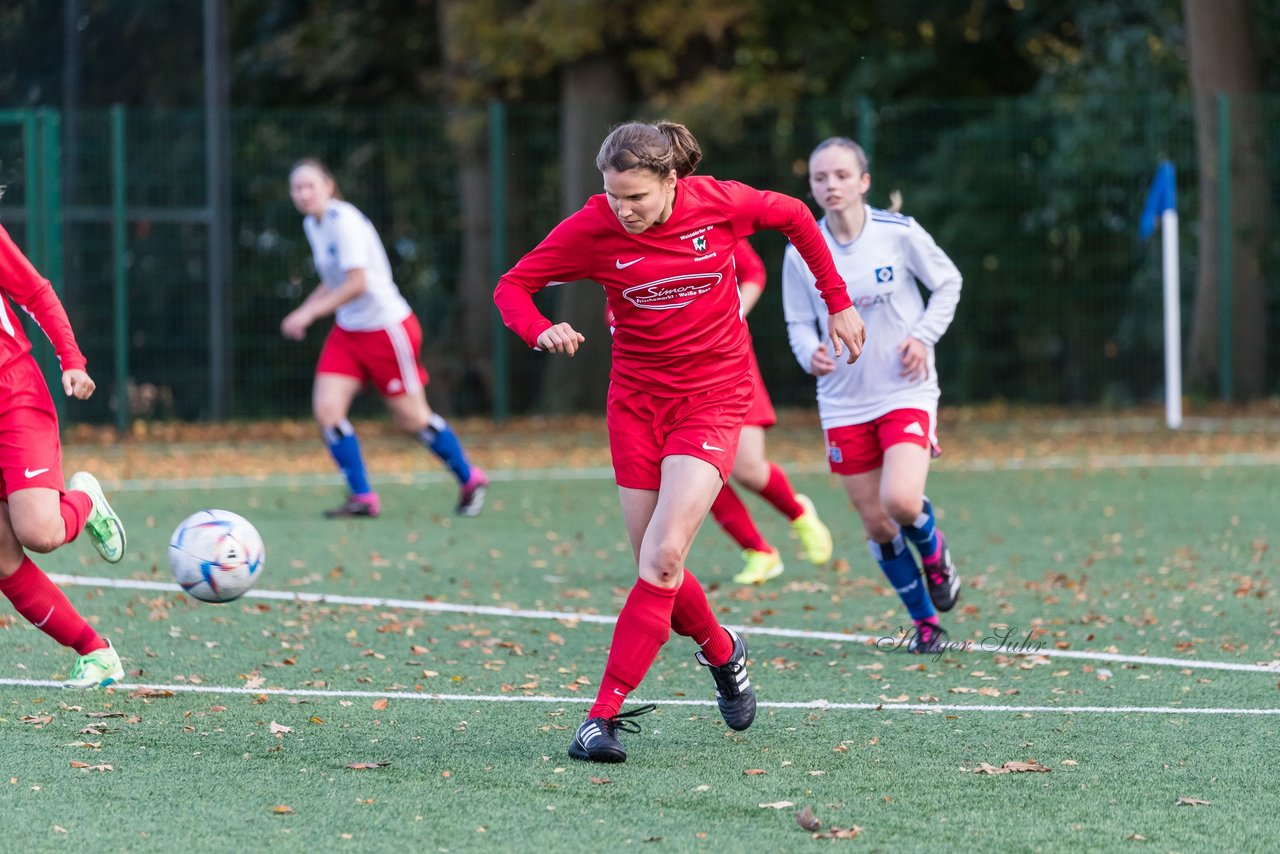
{"points": [[30, 473], [707, 447], [40, 625], [621, 266]]}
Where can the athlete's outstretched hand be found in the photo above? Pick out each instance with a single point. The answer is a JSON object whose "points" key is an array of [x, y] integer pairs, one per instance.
{"points": [[847, 326], [76, 383], [561, 338], [295, 323]]}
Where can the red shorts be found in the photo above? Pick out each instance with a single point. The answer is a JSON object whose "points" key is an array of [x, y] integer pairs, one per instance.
{"points": [[387, 359], [761, 413], [859, 448], [30, 448], [644, 428]]}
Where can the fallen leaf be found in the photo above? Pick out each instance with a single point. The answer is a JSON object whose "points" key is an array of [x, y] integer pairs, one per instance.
{"points": [[1136, 837], [807, 820], [555, 638], [279, 729], [365, 766], [1010, 767], [753, 772], [1191, 802], [599, 781], [901, 698], [777, 805], [282, 809], [380, 704], [1070, 762], [839, 833]]}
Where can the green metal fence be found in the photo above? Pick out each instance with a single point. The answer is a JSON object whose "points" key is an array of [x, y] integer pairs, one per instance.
{"points": [[1036, 200]]}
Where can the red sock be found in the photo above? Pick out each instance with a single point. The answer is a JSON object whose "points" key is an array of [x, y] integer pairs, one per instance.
{"points": [[43, 605], [643, 627], [691, 617], [779, 493], [731, 514], [74, 506]]}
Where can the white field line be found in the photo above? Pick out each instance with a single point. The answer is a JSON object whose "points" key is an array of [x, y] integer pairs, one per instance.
{"points": [[1103, 462], [1021, 648], [822, 705]]}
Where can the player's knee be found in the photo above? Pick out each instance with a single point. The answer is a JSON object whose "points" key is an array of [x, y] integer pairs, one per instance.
{"points": [[39, 535], [667, 564], [879, 527], [903, 507]]}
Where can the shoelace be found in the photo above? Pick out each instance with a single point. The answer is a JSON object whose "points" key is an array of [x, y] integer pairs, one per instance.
{"points": [[622, 721], [101, 528]]}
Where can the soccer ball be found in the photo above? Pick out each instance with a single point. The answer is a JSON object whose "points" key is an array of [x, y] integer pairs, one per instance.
{"points": [[216, 555]]}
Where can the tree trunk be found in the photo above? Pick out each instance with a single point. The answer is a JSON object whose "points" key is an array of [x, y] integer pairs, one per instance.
{"points": [[1224, 60], [467, 131], [592, 94]]}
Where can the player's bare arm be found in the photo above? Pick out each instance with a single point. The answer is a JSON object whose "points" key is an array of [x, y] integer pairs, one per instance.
{"points": [[846, 326], [78, 384], [321, 303], [561, 338], [749, 293], [915, 359]]}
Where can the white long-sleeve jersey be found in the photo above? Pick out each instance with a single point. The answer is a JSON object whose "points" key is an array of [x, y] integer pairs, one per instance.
{"points": [[881, 268], [344, 240]]}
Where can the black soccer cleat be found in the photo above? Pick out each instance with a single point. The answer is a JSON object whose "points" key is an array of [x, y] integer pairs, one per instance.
{"points": [[734, 694], [355, 506], [928, 639], [596, 739], [942, 579]]}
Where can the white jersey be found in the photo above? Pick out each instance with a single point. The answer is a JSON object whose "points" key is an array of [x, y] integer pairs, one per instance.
{"points": [[345, 240], [881, 268]]}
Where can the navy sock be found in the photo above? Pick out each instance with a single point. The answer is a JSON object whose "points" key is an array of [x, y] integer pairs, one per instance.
{"points": [[924, 532], [345, 449], [900, 568], [444, 444]]}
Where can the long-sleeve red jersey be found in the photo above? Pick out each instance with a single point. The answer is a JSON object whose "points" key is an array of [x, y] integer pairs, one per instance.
{"points": [[20, 283], [672, 288]]}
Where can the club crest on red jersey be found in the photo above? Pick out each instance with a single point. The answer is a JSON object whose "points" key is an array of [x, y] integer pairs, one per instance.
{"points": [[699, 244], [675, 292]]}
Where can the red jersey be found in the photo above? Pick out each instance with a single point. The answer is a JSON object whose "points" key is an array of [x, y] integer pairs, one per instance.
{"points": [[20, 282], [672, 289], [749, 263]]}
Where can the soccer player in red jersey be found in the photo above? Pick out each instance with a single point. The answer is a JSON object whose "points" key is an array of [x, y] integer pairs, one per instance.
{"points": [[376, 340], [37, 514], [661, 243], [756, 472]]}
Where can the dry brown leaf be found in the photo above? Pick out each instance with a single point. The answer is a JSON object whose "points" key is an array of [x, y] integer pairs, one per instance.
{"points": [[279, 729], [1010, 767], [1135, 837], [753, 772], [366, 766], [807, 820], [777, 805], [1191, 802], [379, 704], [901, 698], [600, 781], [555, 638], [282, 809], [839, 833]]}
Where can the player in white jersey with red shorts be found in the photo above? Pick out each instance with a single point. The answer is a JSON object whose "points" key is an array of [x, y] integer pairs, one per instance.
{"points": [[375, 340], [38, 513], [880, 413], [661, 243]]}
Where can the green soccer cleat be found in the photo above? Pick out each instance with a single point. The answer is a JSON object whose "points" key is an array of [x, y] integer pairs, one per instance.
{"points": [[760, 567], [98, 669], [103, 525], [814, 536]]}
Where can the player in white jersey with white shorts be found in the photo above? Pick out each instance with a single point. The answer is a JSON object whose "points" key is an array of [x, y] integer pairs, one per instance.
{"points": [[376, 340], [879, 413]]}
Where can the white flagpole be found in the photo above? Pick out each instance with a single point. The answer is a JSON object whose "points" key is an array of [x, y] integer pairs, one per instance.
{"points": [[1172, 321]]}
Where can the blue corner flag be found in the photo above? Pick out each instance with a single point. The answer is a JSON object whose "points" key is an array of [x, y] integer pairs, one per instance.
{"points": [[1161, 197]]}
